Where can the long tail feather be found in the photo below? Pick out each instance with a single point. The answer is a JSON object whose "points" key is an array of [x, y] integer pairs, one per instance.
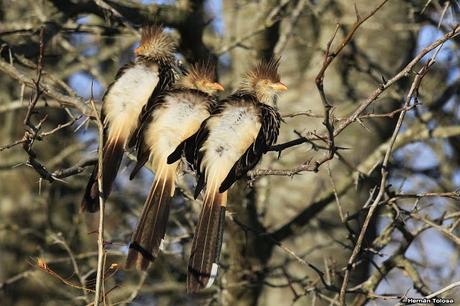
{"points": [[90, 198], [151, 229], [112, 156], [141, 160], [207, 242]]}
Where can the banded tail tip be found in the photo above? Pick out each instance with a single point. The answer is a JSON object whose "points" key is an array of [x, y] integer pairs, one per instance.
{"points": [[197, 280], [138, 256], [213, 275]]}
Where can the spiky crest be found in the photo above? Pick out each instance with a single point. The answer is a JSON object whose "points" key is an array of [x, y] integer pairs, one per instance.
{"points": [[264, 70], [260, 79], [201, 76], [155, 43]]}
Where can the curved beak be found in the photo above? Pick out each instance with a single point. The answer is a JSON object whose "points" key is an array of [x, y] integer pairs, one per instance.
{"points": [[216, 86], [138, 50], [279, 86]]}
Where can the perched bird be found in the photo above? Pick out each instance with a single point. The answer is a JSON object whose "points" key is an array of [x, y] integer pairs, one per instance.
{"points": [[175, 116], [135, 84], [228, 145]]}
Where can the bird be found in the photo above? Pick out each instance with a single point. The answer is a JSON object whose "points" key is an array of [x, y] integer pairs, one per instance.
{"points": [[176, 115], [125, 102], [229, 144]]}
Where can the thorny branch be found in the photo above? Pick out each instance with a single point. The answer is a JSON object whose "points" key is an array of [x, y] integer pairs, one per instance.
{"points": [[32, 130], [411, 96], [46, 94], [314, 166]]}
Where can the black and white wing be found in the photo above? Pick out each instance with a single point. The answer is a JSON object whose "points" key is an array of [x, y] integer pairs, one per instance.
{"points": [[267, 136]]}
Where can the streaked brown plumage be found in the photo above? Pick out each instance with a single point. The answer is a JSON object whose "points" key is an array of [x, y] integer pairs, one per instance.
{"points": [[135, 85], [175, 116], [227, 146]]}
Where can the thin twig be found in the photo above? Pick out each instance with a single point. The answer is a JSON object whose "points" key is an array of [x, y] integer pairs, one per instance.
{"points": [[440, 291], [59, 239], [405, 72], [100, 237], [412, 95], [337, 198]]}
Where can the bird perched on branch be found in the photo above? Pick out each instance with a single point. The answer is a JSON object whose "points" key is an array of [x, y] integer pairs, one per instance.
{"points": [[175, 116], [228, 145], [135, 84]]}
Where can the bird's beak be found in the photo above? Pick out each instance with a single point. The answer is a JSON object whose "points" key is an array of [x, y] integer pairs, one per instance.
{"points": [[138, 50], [279, 86], [216, 86]]}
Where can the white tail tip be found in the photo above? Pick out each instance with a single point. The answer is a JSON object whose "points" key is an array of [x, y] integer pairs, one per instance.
{"points": [[213, 276]]}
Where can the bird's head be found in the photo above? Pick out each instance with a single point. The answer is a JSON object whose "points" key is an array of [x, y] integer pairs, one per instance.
{"points": [[202, 77], [264, 81], [155, 44]]}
